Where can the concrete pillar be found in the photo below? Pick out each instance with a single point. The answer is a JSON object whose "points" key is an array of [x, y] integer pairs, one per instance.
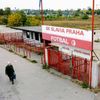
{"points": [[33, 35], [46, 56], [39, 38], [95, 74], [98, 72]]}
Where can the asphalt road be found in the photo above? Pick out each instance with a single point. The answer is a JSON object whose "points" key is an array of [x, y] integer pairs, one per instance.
{"points": [[34, 83]]}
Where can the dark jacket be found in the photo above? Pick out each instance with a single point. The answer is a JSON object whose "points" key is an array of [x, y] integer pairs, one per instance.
{"points": [[9, 70]]}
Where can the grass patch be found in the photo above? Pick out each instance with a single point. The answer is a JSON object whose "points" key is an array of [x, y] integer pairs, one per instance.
{"points": [[84, 85], [10, 50], [98, 40], [45, 66], [24, 56], [96, 90], [33, 61]]}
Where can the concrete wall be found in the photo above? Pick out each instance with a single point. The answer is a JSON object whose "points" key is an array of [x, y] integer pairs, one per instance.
{"points": [[95, 74]]}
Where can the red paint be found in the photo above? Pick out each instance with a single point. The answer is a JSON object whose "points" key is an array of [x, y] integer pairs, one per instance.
{"points": [[68, 41]]}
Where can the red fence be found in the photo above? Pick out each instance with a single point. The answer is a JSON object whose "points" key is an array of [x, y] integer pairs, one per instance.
{"points": [[73, 66], [80, 69], [17, 41], [59, 61]]}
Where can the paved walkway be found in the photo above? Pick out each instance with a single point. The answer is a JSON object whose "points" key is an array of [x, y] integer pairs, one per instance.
{"points": [[34, 83]]}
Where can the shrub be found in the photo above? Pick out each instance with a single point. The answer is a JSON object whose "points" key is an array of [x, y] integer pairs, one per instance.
{"points": [[34, 61], [84, 85], [24, 56], [98, 40], [10, 50], [85, 16], [45, 66]]}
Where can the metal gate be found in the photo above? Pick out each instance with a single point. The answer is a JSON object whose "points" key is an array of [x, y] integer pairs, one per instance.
{"points": [[80, 69], [75, 67], [59, 61]]}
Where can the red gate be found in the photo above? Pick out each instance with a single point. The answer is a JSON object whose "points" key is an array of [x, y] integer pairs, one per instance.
{"points": [[59, 61], [73, 66], [80, 69]]}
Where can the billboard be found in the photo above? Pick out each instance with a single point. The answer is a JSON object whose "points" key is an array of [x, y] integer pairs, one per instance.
{"points": [[69, 36]]}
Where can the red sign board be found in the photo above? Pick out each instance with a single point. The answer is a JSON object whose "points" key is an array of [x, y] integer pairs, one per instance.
{"points": [[68, 36]]}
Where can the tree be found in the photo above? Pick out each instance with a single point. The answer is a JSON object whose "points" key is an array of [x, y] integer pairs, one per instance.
{"points": [[77, 12], [32, 21], [89, 11], [85, 16], [15, 19], [3, 20], [7, 11], [23, 17], [98, 12], [59, 13], [1, 12]]}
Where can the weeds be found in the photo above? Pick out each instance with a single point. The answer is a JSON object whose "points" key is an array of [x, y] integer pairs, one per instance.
{"points": [[34, 61], [84, 85], [98, 40], [45, 66]]}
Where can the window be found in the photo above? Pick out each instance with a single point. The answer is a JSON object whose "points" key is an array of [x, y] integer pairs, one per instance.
{"points": [[27, 34], [32, 35], [41, 38], [36, 36]]}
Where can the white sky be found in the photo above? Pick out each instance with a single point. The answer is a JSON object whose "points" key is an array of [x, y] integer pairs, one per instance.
{"points": [[48, 4]]}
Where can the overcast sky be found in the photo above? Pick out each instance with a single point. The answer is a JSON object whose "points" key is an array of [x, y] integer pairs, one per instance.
{"points": [[49, 4]]}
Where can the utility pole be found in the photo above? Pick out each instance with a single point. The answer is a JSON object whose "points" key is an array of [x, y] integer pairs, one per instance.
{"points": [[90, 71]]}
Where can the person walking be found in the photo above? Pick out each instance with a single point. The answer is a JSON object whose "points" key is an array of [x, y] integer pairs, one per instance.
{"points": [[9, 71]]}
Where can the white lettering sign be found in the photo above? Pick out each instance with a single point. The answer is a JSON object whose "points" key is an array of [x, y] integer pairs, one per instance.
{"points": [[72, 37], [59, 39]]}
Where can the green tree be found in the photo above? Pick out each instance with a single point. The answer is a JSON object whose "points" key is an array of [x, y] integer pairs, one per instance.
{"points": [[59, 13], [7, 11], [3, 20], [98, 12], [89, 11], [15, 19], [85, 16], [32, 21], [1, 12], [23, 17], [77, 12]]}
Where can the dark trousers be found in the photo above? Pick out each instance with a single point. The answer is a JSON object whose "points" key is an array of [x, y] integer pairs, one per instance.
{"points": [[11, 79]]}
